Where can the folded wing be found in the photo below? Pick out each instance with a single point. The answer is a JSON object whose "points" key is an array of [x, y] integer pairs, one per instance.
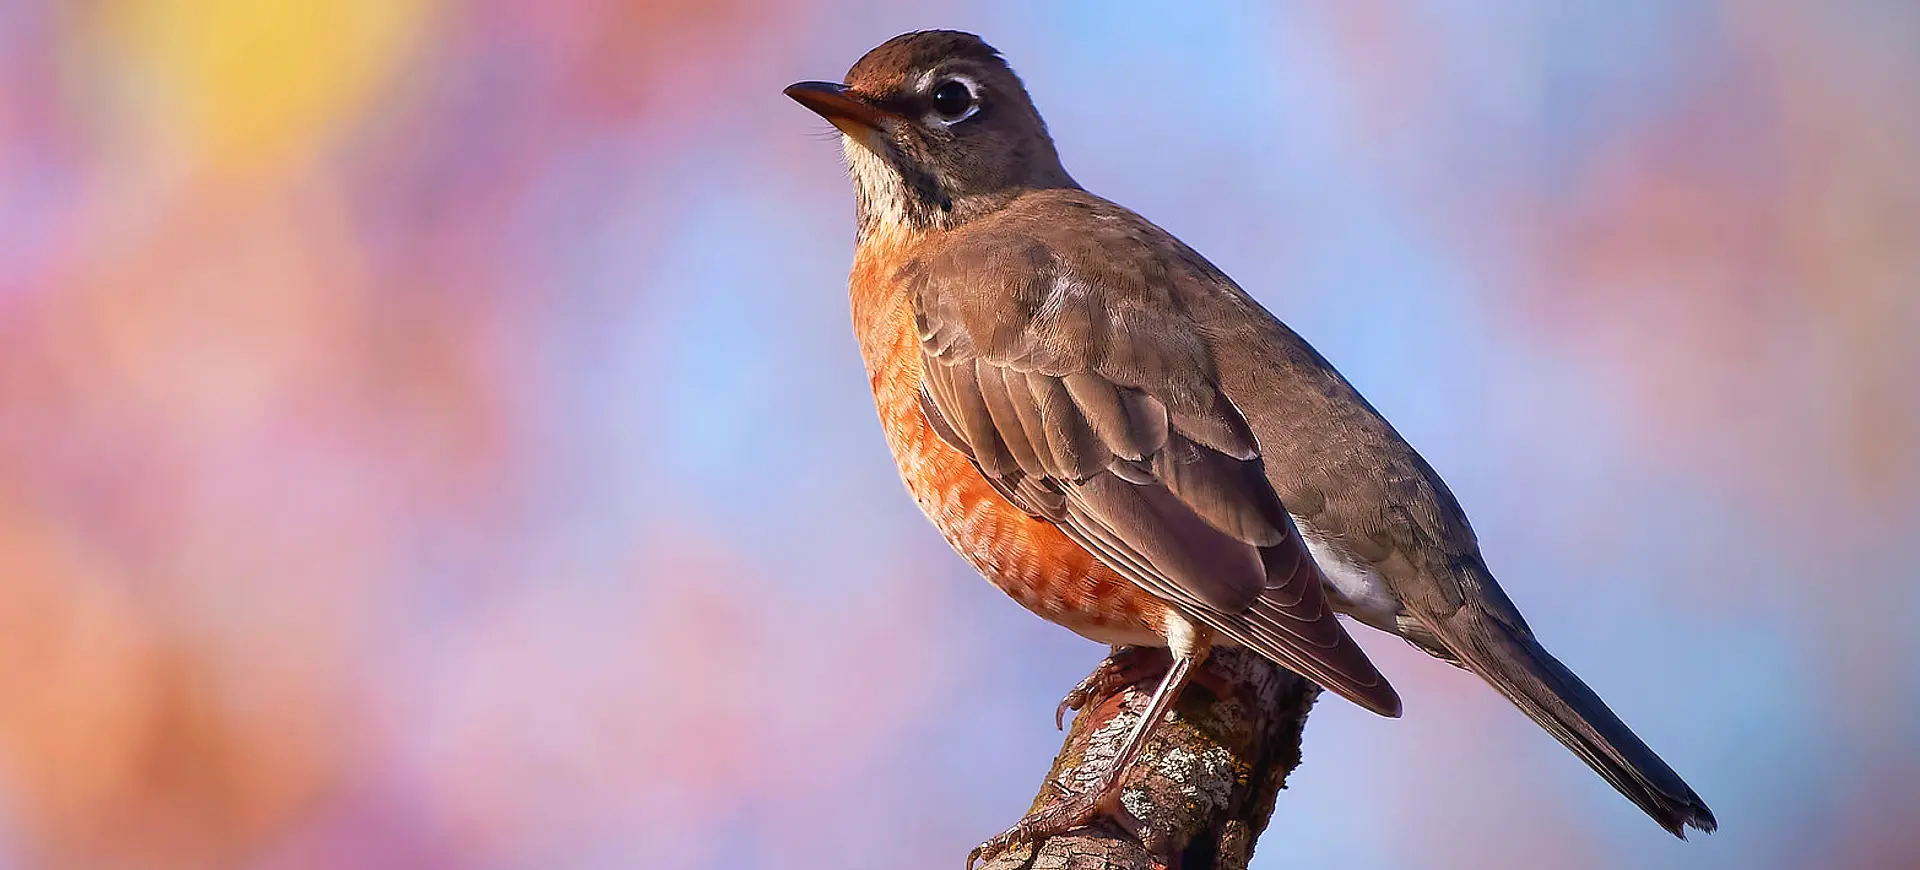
{"points": [[1093, 407]]}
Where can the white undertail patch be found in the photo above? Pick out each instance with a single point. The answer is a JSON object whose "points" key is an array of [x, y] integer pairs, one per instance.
{"points": [[1356, 589]]}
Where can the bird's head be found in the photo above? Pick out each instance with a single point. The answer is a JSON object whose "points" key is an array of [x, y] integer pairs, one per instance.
{"points": [[937, 129]]}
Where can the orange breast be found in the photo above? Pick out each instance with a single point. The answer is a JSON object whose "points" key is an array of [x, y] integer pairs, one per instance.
{"points": [[1029, 559]]}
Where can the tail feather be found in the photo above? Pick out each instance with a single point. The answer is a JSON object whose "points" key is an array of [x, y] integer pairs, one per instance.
{"points": [[1543, 688]]}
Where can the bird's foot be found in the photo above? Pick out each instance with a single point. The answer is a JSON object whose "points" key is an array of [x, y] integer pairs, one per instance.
{"points": [[1125, 667], [1059, 817]]}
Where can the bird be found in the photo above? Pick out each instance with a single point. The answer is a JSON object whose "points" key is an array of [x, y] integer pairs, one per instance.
{"points": [[1118, 436]]}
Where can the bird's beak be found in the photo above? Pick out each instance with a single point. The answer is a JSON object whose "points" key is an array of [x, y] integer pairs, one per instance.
{"points": [[854, 116]]}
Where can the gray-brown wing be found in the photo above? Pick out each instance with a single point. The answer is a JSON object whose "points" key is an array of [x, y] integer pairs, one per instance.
{"points": [[1094, 410]]}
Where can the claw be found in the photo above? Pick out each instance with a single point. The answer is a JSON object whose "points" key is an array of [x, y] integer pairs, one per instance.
{"points": [[1064, 815], [1126, 666], [988, 851], [1072, 811], [1074, 700]]}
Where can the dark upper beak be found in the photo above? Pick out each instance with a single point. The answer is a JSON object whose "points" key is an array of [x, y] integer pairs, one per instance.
{"points": [[853, 115]]}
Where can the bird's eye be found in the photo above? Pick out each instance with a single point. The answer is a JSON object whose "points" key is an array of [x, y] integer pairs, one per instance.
{"points": [[952, 98]]}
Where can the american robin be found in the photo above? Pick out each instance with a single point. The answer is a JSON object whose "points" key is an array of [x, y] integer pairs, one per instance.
{"points": [[1120, 438]]}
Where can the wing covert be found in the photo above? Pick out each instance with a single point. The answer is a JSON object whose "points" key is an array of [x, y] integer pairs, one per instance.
{"points": [[1092, 405]]}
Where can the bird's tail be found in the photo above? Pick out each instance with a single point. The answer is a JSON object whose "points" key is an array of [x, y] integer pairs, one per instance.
{"points": [[1512, 661]]}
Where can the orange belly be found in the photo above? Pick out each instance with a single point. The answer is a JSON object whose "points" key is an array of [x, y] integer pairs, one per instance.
{"points": [[1029, 559]]}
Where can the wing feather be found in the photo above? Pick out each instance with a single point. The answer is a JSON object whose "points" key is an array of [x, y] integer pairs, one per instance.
{"points": [[1087, 398]]}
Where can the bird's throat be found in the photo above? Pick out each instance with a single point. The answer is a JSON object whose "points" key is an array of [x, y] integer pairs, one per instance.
{"points": [[890, 191]]}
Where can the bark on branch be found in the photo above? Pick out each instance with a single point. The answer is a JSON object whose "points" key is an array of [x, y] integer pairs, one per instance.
{"points": [[1206, 784]]}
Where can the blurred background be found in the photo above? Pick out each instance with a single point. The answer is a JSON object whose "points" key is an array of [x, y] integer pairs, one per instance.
{"points": [[431, 436]]}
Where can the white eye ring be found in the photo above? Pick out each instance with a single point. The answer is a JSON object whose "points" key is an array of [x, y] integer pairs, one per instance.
{"points": [[973, 99]]}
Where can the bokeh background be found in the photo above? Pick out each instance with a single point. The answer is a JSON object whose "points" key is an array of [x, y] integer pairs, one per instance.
{"points": [[430, 434]]}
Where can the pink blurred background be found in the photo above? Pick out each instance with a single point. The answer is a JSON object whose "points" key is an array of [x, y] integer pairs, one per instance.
{"points": [[430, 435]]}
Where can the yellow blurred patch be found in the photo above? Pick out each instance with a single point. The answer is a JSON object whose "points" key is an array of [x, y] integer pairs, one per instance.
{"points": [[251, 85]]}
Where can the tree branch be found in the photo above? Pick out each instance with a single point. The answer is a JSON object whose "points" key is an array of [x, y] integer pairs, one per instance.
{"points": [[1203, 789]]}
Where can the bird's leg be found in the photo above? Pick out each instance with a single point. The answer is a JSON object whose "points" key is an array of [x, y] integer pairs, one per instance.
{"points": [[1129, 666], [1073, 811], [1125, 666]]}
